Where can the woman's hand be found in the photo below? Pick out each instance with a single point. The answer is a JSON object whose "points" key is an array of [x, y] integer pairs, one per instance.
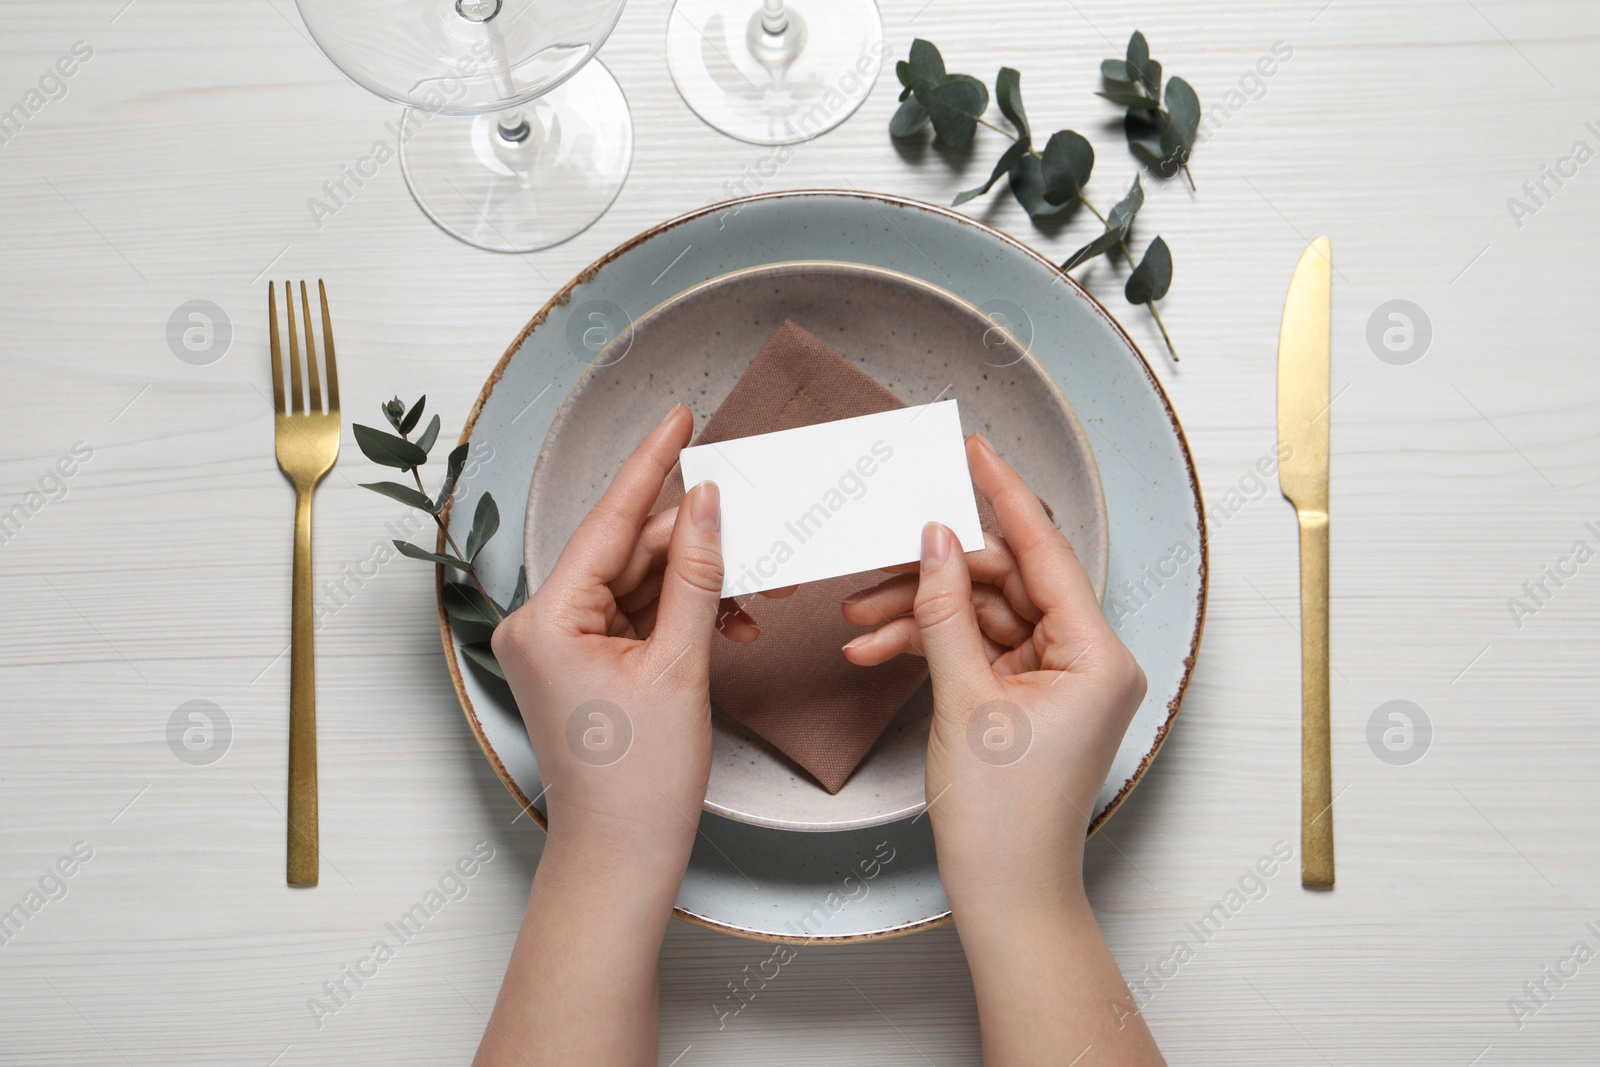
{"points": [[1032, 688], [610, 664], [1032, 692]]}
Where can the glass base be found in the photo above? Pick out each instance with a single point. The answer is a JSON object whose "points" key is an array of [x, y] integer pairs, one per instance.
{"points": [[774, 88], [526, 178]]}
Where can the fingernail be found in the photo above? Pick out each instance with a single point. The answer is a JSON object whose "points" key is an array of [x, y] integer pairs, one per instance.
{"points": [[983, 442], [857, 597], [935, 545], [706, 510], [670, 415], [859, 642]]}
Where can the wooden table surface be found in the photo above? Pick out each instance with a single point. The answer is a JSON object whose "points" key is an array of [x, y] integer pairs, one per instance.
{"points": [[177, 166]]}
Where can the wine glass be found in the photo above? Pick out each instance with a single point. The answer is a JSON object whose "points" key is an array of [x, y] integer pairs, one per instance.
{"points": [[512, 139], [771, 71]]}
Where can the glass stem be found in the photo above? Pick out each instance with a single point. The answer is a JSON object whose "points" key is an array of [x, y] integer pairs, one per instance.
{"points": [[773, 18], [514, 127]]}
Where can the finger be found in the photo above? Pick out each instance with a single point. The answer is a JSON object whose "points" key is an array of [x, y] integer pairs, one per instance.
{"points": [[900, 637], [1051, 573], [993, 564], [996, 618], [946, 621], [691, 589], [735, 623], [780, 593], [645, 593], [604, 543], [896, 637], [649, 554]]}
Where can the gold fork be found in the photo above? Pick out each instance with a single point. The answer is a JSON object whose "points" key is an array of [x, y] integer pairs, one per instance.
{"points": [[307, 445]]}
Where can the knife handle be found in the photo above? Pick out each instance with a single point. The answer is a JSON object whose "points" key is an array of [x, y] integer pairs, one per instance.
{"points": [[1316, 766]]}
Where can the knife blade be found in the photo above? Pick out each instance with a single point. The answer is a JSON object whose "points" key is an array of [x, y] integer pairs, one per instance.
{"points": [[1304, 388]]}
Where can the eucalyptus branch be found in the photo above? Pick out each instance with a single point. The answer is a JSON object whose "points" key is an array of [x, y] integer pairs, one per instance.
{"points": [[473, 611], [451, 541], [1048, 182]]}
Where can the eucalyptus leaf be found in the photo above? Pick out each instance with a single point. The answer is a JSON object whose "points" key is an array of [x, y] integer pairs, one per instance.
{"points": [[485, 521], [409, 423], [1183, 114], [1097, 247], [980, 87], [1121, 215], [1127, 97], [408, 549], [1142, 127], [1152, 80], [1152, 277], [482, 653], [472, 633], [403, 493], [1027, 185], [1066, 163], [519, 595], [387, 449], [1153, 158], [953, 107], [1138, 52], [908, 119], [1008, 94], [452, 471], [1141, 68], [926, 67], [1008, 160], [464, 602], [394, 411], [1115, 70], [902, 71], [429, 435]]}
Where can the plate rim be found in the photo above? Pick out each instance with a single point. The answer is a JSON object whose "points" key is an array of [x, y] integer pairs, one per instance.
{"points": [[563, 296]]}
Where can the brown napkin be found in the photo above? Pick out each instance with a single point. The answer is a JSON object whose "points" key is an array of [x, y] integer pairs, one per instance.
{"points": [[793, 686]]}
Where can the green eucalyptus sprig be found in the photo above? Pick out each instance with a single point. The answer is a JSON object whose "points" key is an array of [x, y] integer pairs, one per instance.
{"points": [[1049, 182], [470, 607], [1162, 138]]}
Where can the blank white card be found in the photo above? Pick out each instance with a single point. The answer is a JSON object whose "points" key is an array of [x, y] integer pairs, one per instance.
{"points": [[839, 497]]}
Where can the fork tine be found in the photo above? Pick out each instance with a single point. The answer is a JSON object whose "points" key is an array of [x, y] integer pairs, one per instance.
{"points": [[314, 405], [327, 344], [277, 351], [294, 353]]}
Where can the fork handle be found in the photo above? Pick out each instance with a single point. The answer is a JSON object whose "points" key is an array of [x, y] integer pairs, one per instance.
{"points": [[303, 849]]}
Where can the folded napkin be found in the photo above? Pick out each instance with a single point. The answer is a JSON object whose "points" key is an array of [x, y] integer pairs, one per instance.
{"points": [[793, 686]]}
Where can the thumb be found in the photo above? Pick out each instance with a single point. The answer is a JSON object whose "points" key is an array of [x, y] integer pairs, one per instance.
{"points": [[691, 588], [951, 640]]}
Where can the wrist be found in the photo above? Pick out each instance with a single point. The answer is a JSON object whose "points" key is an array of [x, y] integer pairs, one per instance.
{"points": [[602, 852], [1006, 922], [992, 871]]}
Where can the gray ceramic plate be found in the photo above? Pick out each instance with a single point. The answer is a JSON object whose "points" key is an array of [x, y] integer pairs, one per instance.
{"points": [[916, 339], [786, 885]]}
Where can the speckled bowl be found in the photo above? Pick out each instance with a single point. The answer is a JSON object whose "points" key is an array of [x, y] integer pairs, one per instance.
{"points": [[919, 341], [783, 885]]}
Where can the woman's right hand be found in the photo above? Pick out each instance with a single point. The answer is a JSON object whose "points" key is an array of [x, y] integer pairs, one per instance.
{"points": [[1032, 688], [1032, 692]]}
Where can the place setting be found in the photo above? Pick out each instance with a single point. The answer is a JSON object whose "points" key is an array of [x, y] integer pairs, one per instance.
{"points": [[769, 316]]}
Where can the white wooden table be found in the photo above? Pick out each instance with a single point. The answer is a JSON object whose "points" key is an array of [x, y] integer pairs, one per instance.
{"points": [[177, 167]]}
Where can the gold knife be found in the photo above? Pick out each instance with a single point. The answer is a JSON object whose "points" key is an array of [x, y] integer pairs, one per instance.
{"points": [[1304, 385]]}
